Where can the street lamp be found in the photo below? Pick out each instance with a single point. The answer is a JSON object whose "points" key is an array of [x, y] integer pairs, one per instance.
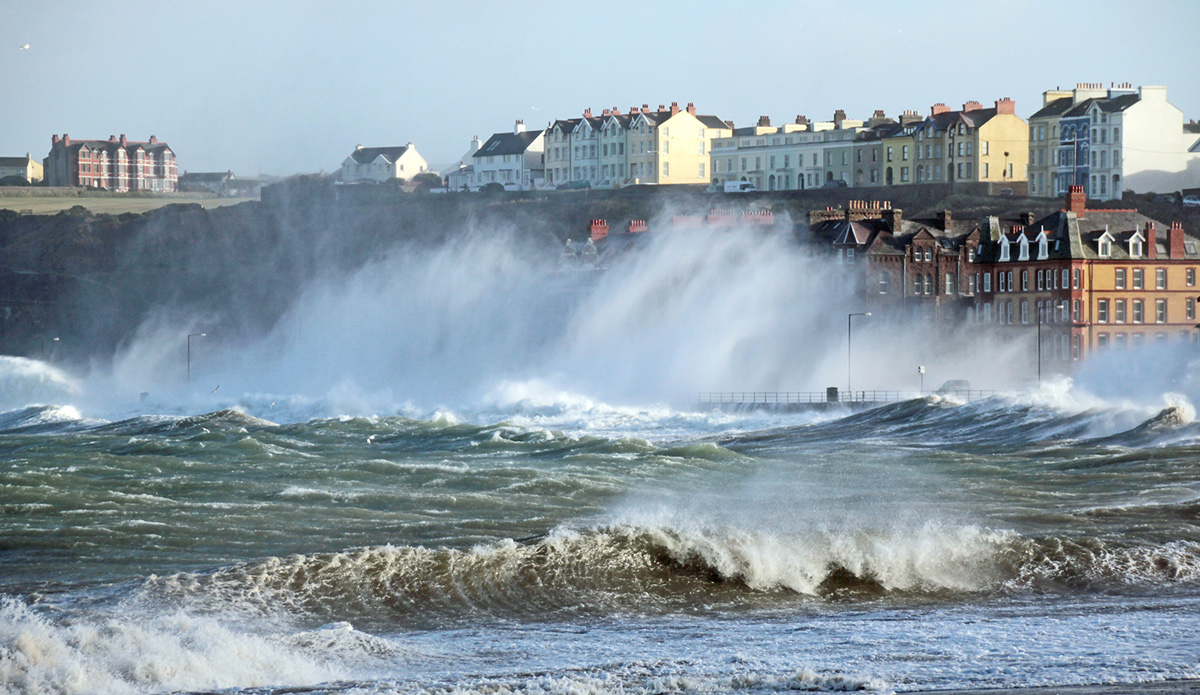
{"points": [[849, 360], [189, 345], [921, 371], [43, 339]]}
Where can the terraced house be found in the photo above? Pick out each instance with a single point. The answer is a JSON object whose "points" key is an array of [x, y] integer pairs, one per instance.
{"points": [[1091, 280], [1109, 141], [975, 144], [115, 164]]}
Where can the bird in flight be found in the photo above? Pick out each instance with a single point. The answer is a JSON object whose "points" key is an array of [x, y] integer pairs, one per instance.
{"points": [[25, 47]]}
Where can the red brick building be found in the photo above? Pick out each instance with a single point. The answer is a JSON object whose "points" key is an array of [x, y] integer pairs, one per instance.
{"points": [[115, 164]]}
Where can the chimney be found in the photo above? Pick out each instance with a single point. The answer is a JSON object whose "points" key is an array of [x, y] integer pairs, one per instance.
{"points": [[1027, 219], [123, 141], [972, 106], [1076, 201], [801, 120], [730, 124], [587, 113], [1175, 240], [880, 114], [674, 107], [939, 108], [894, 217], [112, 138], [838, 117], [476, 144], [1151, 241], [945, 218], [54, 140], [636, 226], [691, 108], [616, 111], [646, 108], [909, 117], [519, 127], [357, 147], [153, 140], [662, 107], [1006, 105], [764, 121], [599, 229], [606, 113], [66, 140]]}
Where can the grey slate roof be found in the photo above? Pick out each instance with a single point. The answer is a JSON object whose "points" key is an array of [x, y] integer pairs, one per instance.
{"points": [[507, 143], [366, 155]]}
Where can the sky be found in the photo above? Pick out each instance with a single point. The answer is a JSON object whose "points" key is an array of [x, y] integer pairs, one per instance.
{"points": [[273, 87]]}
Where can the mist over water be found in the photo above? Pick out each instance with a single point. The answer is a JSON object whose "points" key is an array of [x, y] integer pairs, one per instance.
{"points": [[464, 466]]}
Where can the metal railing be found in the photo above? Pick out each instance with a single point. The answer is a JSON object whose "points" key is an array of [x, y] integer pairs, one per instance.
{"points": [[797, 397]]}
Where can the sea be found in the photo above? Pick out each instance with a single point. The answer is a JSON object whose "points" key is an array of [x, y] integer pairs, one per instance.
{"points": [[553, 513]]}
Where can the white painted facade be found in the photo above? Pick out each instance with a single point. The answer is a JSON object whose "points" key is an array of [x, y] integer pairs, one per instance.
{"points": [[517, 167], [381, 164], [1142, 148]]}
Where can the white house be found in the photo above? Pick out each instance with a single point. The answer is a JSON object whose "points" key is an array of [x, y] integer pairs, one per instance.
{"points": [[382, 164], [458, 176], [514, 160]]}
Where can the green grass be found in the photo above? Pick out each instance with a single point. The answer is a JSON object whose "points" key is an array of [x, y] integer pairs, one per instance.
{"points": [[111, 204]]}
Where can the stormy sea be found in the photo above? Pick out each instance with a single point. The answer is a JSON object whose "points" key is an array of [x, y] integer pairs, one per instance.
{"points": [[460, 471]]}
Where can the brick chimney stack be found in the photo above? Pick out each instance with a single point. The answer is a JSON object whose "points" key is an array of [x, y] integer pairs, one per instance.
{"points": [[674, 107], [972, 106], [599, 229], [945, 218], [53, 140], [616, 111], [1006, 105], [123, 140], [838, 117], [691, 108], [662, 107], [1175, 240], [764, 121], [1151, 241], [1077, 201], [154, 140], [801, 120], [606, 113], [938, 108], [587, 113], [646, 108]]}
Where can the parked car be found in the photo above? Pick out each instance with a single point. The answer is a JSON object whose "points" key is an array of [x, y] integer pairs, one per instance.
{"points": [[574, 185], [955, 385], [835, 183], [1191, 201], [1165, 199], [739, 187]]}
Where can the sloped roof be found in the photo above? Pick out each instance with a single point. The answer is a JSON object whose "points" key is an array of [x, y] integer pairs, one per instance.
{"points": [[366, 155], [15, 161], [1055, 108], [507, 143]]}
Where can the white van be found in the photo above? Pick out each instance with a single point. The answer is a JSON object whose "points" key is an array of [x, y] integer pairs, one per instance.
{"points": [[739, 187]]}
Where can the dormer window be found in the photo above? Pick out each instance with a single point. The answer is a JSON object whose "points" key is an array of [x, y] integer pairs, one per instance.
{"points": [[1004, 249], [1024, 251], [1105, 248], [1043, 248], [1135, 247]]}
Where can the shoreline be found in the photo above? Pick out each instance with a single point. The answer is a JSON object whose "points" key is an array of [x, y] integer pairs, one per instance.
{"points": [[1189, 686]]}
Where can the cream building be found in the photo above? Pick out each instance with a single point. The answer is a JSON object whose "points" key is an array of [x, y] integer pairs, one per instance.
{"points": [[975, 144], [26, 167], [671, 146], [515, 160], [380, 164]]}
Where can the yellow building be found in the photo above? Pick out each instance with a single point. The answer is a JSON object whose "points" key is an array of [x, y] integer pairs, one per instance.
{"points": [[26, 167], [671, 146], [974, 144]]}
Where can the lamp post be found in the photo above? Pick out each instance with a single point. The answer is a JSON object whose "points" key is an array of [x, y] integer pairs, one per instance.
{"points": [[189, 352], [43, 339], [849, 360], [921, 371]]}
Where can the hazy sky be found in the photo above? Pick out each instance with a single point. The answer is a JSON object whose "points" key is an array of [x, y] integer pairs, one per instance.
{"points": [[289, 87]]}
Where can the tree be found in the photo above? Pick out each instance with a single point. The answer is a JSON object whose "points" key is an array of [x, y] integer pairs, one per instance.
{"points": [[427, 179]]}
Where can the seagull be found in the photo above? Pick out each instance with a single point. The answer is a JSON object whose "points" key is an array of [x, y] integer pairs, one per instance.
{"points": [[24, 48]]}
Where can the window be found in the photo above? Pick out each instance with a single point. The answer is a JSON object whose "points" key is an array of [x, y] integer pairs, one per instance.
{"points": [[1024, 280], [1135, 248], [1120, 311], [1075, 311], [1160, 278], [950, 278], [1160, 311], [1119, 280], [889, 154], [1138, 283], [987, 282], [972, 283], [917, 284], [1102, 311], [1191, 309], [885, 283], [1039, 281], [1191, 277], [666, 169], [928, 254], [1024, 311], [928, 283], [1139, 311], [1102, 342], [983, 170]]}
